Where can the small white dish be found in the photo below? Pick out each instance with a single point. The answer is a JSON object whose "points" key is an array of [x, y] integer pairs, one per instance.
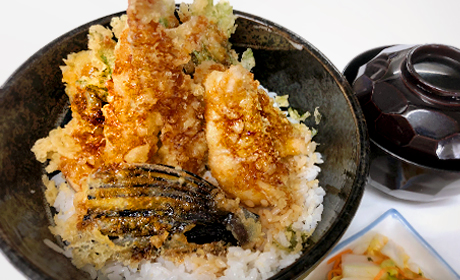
{"points": [[393, 225]]}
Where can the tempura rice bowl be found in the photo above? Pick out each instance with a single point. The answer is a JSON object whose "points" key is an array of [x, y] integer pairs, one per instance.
{"points": [[33, 102]]}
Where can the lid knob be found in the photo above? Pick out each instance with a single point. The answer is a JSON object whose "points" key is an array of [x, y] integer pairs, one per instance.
{"points": [[434, 72]]}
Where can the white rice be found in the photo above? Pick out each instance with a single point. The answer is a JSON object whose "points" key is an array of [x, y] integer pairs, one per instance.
{"points": [[243, 264], [240, 263]]}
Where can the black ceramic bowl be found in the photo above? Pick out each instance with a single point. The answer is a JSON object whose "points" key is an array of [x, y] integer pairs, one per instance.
{"points": [[32, 102]]}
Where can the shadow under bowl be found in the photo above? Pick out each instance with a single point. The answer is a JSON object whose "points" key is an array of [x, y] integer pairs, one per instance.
{"points": [[33, 101]]}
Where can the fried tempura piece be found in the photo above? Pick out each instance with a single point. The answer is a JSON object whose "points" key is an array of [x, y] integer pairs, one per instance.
{"points": [[155, 111], [152, 95], [250, 141], [87, 75]]}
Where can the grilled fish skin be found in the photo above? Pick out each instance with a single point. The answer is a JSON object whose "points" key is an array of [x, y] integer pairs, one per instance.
{"points": [[144, 205]]}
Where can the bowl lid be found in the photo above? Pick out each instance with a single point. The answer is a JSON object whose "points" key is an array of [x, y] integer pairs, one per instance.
{"points": [[410, 96]]}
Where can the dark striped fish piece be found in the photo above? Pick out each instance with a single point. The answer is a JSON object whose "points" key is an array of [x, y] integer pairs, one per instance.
{"points": [[134, 203]]}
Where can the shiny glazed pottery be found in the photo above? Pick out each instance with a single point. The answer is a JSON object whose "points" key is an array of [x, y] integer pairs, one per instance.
{"points": [[33, 101], [410, 95]]}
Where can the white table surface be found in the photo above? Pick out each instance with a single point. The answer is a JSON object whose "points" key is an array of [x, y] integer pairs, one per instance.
{"points": [[340, 29]]}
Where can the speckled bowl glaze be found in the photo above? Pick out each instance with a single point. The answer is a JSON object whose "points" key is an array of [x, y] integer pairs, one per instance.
{"points": [[32, 102]]}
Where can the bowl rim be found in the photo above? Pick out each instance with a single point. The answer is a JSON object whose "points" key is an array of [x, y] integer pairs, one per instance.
{"points": [[336, 229]]}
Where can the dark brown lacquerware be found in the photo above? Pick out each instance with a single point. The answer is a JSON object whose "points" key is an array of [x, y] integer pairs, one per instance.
{"points": [[410, 96], [33, 101]]}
